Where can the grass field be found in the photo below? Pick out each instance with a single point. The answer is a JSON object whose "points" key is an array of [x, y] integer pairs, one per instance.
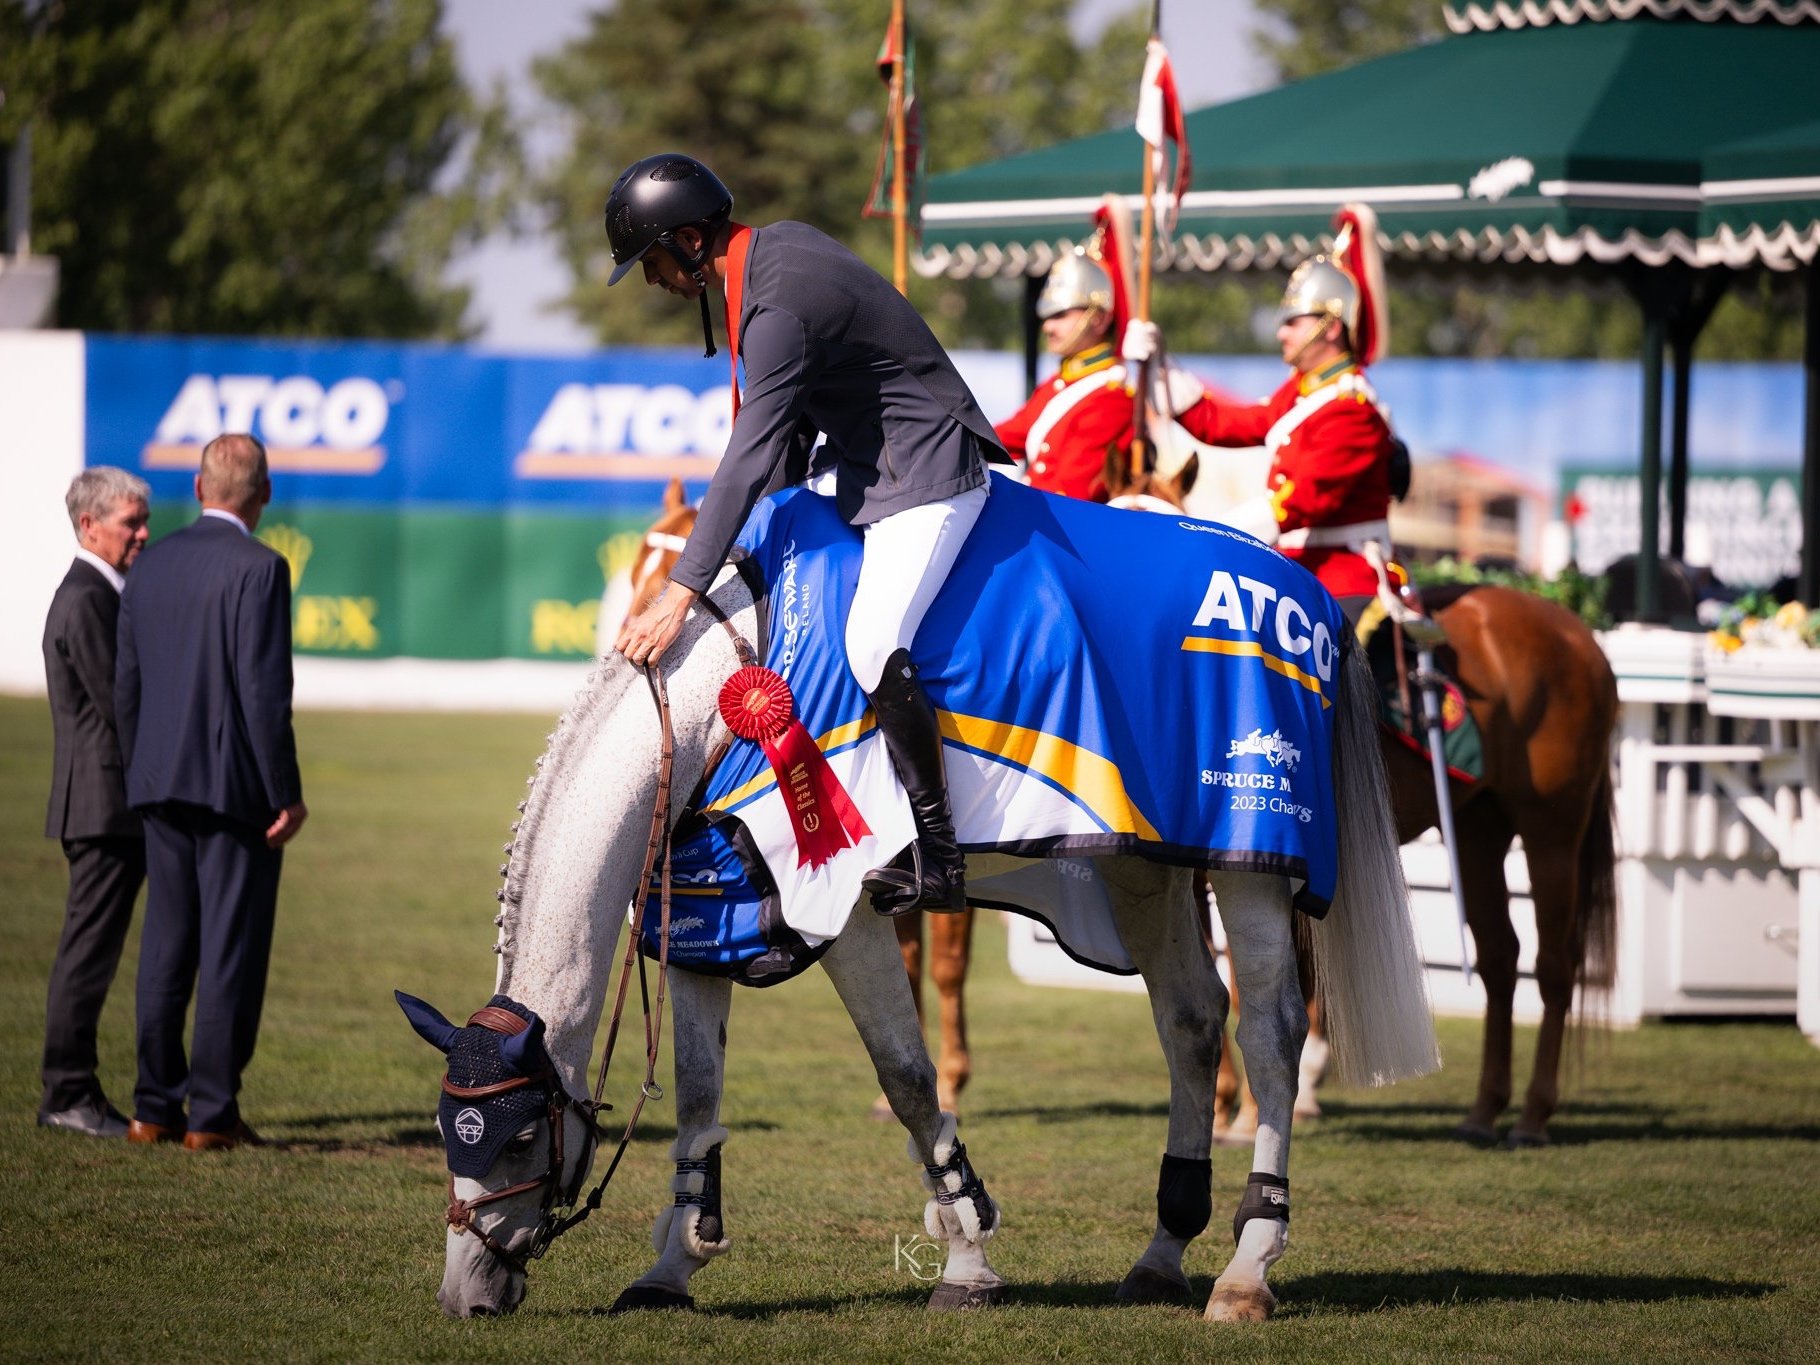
{"points": [[1676, 1218]]}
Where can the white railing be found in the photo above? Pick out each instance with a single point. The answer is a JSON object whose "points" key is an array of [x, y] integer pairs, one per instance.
{"points": [[1716, 797]]}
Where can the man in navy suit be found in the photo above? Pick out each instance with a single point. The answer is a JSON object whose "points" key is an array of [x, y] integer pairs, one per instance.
{"points": [[203, 693], [88, 812]]}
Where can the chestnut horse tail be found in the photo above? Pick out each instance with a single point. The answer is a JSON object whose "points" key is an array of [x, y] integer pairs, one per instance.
{"points": [[1596, 928], [1362, 954]]}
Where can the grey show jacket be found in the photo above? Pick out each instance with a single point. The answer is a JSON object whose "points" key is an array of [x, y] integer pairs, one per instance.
{"points": [[829, 345]]}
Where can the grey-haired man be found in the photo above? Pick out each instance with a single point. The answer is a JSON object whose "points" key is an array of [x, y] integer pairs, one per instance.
{"points": [[101, 837]]}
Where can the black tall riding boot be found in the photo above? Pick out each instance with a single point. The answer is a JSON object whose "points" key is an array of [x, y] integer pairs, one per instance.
{"points": [[932, 873]]}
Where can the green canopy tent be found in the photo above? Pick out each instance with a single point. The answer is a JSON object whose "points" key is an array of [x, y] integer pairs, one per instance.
{"points": [[1670, 144]]}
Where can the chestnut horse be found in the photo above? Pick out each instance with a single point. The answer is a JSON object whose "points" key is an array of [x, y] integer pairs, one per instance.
{"points": [[1546, 704], [950, 937]]}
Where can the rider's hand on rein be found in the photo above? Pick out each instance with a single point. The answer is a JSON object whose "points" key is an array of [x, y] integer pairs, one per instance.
{"points": [[644, 638]]}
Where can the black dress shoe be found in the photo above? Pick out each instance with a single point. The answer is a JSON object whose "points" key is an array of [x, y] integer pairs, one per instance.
{"points": [[91, 1118]]}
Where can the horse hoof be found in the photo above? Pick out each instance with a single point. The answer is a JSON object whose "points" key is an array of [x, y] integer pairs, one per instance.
{"points": [[960, 1298], [1479, 1134], [640, 1296], [1240, 1303], [1236, 1137], [1520, 1139], [1145, 1285], [1307, 1109], [882, 1111]]}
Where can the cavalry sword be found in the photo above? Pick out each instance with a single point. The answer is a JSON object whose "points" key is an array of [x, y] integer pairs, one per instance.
{"points": [[1426, 633], [1429, 681]]}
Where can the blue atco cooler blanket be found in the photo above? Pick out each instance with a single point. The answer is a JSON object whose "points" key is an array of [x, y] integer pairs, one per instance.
{"points": [[1107, 681]]}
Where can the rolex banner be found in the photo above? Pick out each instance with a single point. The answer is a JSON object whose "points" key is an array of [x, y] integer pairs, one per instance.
{"points": [[1106, 681]]}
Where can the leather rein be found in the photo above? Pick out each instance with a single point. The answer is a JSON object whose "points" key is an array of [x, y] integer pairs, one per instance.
{"points": [[557, 1199]]}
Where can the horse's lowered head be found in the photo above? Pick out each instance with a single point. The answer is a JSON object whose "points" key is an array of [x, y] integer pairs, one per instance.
{"points": [[519, 1148]]}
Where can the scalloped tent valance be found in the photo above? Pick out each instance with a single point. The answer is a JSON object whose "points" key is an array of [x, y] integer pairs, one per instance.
{"points": [[1646, 141], [1469, 18], [1784, 248]]}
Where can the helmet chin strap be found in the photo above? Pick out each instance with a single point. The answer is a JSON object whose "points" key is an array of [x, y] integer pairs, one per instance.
{"points": [[1072, 342], [707, 323], [693, 264], [1310, 339]]}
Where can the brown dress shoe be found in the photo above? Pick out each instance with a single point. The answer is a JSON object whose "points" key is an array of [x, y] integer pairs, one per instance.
{"points": [[242, 1136], [140, 1131]]}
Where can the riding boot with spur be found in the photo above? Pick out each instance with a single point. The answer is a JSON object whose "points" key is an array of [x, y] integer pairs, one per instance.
{"points": [[931, 873]]}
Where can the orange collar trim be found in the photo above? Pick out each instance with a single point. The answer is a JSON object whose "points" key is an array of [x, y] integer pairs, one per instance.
{"points": [[738, 245]]}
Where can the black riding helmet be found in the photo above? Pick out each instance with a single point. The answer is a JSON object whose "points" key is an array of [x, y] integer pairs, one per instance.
{"points": [[655, 197]]}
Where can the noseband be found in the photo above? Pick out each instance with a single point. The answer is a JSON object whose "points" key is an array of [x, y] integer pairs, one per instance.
{"points": [[557, 1197]]}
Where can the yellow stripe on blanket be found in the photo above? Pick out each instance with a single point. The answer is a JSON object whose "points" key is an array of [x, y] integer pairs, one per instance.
{"points": [[1200, 644], [834, 739], [1090, 779]]}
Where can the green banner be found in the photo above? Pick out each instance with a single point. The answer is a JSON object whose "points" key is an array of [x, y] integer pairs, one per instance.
{"points": [[1744, 523], [435, 583]]}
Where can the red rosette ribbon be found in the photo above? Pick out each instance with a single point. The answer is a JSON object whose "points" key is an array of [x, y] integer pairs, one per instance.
{"points": [[757, 705]]}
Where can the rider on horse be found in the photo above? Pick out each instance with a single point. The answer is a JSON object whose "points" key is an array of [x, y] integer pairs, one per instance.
{"points": [[1330, 443], [1062, 434], [828, 346]]}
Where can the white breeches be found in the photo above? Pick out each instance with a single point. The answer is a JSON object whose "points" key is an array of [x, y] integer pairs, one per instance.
{"points": [[905, 561]]}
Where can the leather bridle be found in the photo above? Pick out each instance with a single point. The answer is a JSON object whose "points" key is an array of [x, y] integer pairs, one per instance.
{"points": [[554, 1220]]}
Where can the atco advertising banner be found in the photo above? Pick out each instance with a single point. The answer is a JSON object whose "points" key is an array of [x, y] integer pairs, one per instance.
{"points": [[431, 501]]}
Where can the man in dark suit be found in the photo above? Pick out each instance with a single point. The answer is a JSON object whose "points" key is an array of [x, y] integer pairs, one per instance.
{"points": [[88, 812], [828, 346], [204, 697]]}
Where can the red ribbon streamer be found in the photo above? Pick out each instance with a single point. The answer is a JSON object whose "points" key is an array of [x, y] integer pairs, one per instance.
{"points": [[757, 705]]}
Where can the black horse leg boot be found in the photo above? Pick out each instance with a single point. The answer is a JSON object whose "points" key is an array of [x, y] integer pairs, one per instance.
{"points": [[933, 874]]}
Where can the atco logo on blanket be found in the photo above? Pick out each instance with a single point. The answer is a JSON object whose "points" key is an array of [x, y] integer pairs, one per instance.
{"points": [[1277, 629], [628, 431], [307, 428]]}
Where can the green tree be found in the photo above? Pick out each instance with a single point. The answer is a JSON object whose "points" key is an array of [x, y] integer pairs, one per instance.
{"points": [[1303, 38], [229, 166], [783, 99], [1542, 314]]}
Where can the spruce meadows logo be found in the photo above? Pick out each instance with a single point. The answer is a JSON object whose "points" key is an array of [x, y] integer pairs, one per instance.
{"points": [[470, 1127], [1280, 752]]}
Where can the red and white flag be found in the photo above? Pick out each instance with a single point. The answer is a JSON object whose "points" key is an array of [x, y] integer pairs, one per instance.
{"points": [[1160, 118], [878, 203]]}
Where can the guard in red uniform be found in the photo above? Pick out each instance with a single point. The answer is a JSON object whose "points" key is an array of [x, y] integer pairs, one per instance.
{"points": [[1329, 439], [1063, 435]]}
